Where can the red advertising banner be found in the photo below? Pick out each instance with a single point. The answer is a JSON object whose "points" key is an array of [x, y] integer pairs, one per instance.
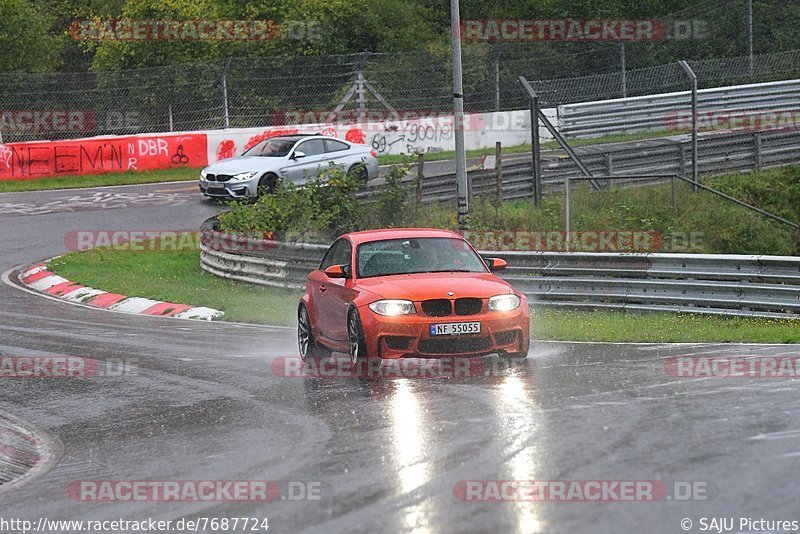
{"points": [[41, 159]]}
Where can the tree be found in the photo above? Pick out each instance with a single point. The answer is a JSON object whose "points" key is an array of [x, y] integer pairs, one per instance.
{"points": [[25, 40]]}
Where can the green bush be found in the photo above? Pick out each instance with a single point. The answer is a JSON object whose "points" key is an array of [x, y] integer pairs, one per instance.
{"points": [[323, 208], [702, 223]]}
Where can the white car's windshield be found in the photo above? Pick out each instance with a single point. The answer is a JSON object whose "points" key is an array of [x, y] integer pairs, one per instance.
{"points": [[271, 148]]}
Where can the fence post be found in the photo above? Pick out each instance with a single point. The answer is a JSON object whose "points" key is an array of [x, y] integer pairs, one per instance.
{"points": [[497, 82], [171, 125], [624, 73], [566, 213], [420, 175], [225, 115], [361, 91], [693, 77], [750, 37]]}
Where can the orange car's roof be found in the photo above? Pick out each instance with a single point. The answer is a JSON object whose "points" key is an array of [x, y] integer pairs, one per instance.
{"points": [[398, 233]]}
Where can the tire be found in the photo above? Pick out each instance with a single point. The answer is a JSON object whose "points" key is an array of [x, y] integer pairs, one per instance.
{"points": [[359, 171], [355, 339], [520, 355], [266, 185], [306, 344]]}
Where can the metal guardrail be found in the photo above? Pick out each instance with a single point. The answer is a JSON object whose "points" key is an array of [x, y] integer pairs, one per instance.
{"points": [[763, 286], [659, 112], [719, 153]]}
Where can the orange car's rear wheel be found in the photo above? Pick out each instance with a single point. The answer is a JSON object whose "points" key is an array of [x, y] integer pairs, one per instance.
{"points": [[355, 337]]}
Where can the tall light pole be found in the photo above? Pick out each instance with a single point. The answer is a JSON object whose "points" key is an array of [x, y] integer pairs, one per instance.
{"points": [[458, 117]]}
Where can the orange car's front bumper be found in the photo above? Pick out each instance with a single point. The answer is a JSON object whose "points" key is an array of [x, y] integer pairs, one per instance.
{"points": [[409, 335]]}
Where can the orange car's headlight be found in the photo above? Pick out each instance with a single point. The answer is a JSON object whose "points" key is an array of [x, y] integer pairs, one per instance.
{"points": [[504, 302], [393, 308]]}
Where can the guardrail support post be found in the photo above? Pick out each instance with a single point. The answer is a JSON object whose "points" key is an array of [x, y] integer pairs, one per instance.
{"points": [[420, 175], [536, 153], [537, 164], [693, 77], [498, 169], [757, 150]]}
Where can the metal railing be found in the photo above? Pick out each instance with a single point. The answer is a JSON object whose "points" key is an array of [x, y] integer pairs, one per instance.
{"points": [[672, 110], [635, 161], [764, 286]]}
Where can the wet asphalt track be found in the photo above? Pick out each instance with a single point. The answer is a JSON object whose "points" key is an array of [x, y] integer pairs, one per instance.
{"points": [[202, 403]]}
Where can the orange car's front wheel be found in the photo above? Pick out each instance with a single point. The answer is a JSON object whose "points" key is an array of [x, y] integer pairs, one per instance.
{"points": [[306, 342], [355, 337]]}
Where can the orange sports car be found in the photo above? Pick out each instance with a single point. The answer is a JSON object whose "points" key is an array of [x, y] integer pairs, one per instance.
{"points": [[410, 293]]}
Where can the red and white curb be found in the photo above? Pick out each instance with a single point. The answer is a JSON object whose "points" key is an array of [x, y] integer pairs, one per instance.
{"points": [[39, 278]]}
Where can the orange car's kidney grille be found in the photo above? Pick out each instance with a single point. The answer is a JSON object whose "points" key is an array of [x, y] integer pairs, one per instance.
{"points": [[468, 306], [454, 345], [437, 307]]}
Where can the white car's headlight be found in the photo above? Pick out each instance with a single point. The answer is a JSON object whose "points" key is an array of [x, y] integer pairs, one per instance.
{"points": [[244, 175], [393, 308], [203, 173], [504, 302]]}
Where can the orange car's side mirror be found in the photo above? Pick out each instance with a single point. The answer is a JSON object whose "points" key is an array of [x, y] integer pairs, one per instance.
{"points": [[496, 264], [336, 271]]}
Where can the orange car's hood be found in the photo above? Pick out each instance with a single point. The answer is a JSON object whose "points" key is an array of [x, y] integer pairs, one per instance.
{"points": [[425, 286]]}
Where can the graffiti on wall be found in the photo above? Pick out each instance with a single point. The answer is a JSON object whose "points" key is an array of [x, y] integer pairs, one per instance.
{"points": [[23, 161]]}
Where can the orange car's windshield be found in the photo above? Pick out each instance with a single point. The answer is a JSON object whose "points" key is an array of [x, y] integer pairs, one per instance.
{"points": [[417, 255]]}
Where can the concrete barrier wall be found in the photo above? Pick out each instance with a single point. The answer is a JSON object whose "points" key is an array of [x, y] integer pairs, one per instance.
{"points": [[97, 155]]}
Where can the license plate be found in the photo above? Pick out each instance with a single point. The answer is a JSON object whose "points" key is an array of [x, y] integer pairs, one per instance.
{"points": [[454, 329], [215, 187]]}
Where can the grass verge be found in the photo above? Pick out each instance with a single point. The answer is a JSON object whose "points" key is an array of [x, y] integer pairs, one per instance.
{"points": [[177, 277], [98, 180]]}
